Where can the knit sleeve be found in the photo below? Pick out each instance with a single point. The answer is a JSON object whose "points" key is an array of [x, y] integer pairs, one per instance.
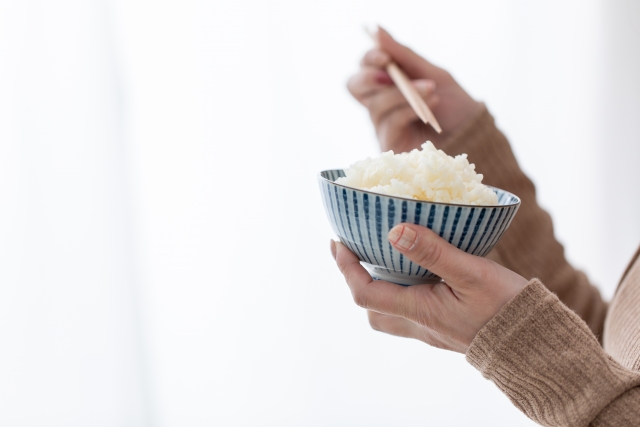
{"points": [[551, 366], [528, 247]]}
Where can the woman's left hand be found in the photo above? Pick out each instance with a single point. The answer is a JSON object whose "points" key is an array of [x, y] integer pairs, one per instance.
{"points": [[447, 315]]}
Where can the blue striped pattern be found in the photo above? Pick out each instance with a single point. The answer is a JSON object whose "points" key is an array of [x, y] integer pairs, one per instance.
{"points": [[362, 220]]}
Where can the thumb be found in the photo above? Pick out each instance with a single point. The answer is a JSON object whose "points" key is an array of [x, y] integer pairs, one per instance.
{"points": [[413, 64], [424, 247]]}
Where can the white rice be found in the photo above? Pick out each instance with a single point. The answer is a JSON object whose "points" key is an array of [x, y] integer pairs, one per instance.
{"points": [[427, 174]]}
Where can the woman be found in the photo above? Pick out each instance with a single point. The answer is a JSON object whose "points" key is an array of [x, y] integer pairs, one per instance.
{"points": [[525, 318]]}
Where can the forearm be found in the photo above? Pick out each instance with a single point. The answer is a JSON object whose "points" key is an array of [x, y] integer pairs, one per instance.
{"points": [[528, 247], [547, 361]]}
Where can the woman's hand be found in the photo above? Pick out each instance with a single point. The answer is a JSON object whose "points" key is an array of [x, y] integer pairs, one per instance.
{"points": [[397, 126], [447, 315]]}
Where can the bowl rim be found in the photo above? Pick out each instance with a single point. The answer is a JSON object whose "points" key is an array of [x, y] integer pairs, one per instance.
{"points": [[516, 203]]}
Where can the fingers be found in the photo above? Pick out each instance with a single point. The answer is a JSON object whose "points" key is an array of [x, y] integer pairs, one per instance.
{"points": [[375, 58], [393, 325], [377, 295], [383, 102], [367, 81], [402, 327], [430, 251], [401, 116], [413, 64]]}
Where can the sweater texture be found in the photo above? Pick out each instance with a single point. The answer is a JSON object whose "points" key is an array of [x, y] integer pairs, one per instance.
{"points": [[560, 353]]}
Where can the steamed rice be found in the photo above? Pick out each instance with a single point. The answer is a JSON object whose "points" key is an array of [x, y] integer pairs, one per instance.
{"points": [[428, 174]]}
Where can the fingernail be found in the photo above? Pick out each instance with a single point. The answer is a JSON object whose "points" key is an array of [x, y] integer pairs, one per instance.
{"points": [[333, 249], [377, 56], [424, 85], [403, 238], [382, 77]]}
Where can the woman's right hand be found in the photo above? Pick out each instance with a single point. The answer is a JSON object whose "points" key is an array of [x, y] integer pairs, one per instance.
{"points": [[397, 126]]}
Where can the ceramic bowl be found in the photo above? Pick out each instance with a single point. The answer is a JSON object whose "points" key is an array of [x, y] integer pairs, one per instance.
{"points": [[362, 220]]}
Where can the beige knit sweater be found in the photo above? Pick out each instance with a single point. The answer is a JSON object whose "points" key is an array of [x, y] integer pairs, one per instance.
{"points": [[560, 353]]}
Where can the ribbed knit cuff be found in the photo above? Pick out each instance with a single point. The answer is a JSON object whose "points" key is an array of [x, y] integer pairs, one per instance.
{"points": [[515, 316], [547, 361]]}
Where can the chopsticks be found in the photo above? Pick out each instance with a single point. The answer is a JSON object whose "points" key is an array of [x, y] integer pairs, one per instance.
{"points": [[408, 91]]}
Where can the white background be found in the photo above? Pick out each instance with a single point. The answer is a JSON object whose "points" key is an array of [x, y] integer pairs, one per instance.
{"points": [[164, 254]]}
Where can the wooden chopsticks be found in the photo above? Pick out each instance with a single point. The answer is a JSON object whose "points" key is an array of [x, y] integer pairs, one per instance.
{"points": [[408, 91]]}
